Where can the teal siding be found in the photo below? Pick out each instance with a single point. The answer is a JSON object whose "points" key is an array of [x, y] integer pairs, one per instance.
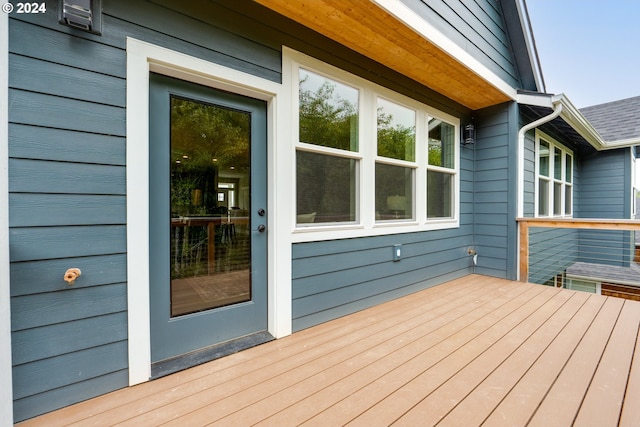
{"points": [[477, 26], [336, 278], [605, 190], [67, 190], [494, 190], [529, 176], [67, 145]]}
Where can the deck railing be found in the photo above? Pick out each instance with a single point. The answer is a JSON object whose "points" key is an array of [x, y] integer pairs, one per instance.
{"points": [[579, 252]]}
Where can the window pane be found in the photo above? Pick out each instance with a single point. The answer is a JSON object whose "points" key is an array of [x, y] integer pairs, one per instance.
{"points": [[326, 188], [394, 192], [569, 168], [543, 197], [396, 131], [441, 144], [557, 198], [543, 158], [557, 164], [568, 196], [328, 112], [439, 194]]}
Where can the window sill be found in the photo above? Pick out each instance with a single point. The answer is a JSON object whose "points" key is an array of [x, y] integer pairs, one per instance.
{"points": [[319, 233]]}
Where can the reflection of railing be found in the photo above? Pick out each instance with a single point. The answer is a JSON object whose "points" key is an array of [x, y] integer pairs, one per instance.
{"points": [[598, 251], [211, 223]]}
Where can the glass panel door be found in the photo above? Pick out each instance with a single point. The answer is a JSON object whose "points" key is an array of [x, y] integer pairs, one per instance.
{"points": [[207, 219], [210, 206]]}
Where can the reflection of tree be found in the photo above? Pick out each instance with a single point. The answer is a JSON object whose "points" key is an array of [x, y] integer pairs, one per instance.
{"points": [[327, 184], [394, 142], [326, 119], [435, 154], [205, 139]]}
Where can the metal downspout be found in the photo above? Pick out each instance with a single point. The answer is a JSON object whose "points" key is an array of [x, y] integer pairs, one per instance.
{"points": [[521, 134], [520, 185]]}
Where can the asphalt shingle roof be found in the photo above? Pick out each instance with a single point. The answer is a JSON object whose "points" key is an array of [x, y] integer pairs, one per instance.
{"points": [[617, 120]]}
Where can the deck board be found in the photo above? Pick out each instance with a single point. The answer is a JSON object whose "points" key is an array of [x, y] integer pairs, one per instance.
{"points": [[564, 399], [474, 351]]}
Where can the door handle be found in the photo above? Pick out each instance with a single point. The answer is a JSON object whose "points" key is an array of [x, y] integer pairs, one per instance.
{"points": [[261, 212], [261, 228]]}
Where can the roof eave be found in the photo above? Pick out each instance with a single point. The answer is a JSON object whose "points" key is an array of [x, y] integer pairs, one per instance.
{"points": [[392, 34], [574, 118]]}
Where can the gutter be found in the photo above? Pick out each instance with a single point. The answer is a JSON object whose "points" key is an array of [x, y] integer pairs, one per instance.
{"points": [[574, 118]]}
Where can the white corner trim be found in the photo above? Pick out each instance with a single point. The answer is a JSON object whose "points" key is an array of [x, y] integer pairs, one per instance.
{"points": [[6, 391], [414, 21], [143, 58]]}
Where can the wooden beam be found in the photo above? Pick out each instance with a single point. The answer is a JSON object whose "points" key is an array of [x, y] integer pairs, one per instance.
{"points": [[594, 224]]}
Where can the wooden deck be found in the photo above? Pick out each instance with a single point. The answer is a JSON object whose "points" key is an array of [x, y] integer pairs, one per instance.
{"points": [[474, 351]]}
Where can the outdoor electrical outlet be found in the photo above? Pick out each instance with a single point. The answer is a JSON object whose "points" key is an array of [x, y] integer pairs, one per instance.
{"points": [[397, 252]]}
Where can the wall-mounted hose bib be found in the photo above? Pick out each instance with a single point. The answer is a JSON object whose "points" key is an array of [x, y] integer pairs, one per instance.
{"points": [[71, 275]]}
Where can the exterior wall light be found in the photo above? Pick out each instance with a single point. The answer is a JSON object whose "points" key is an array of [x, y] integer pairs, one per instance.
{"points": [[85, 15], [468, 134]]}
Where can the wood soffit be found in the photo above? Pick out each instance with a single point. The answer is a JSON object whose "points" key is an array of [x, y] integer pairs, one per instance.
{"points": [[371, 31]]}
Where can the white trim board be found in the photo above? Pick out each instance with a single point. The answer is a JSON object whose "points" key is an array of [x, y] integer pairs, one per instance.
{"points": [[143, 58], [6, 391]]}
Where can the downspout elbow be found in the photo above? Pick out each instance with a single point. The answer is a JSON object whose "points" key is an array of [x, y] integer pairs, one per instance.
{"points": [[526, 128]]}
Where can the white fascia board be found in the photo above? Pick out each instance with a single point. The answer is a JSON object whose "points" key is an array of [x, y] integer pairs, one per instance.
{"points": [[536, 99], [525, 22], [414, 21]]}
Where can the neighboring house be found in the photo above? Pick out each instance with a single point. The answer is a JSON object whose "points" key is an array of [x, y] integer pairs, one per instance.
{"points": [[619, 123], [226, 173]]}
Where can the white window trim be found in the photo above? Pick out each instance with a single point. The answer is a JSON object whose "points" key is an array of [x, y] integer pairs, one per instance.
{"points": [[369, 92], [143, 58], [555, 145]]}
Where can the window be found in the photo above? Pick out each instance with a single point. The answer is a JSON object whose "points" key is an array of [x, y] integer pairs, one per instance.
{"points": [[440, 169], [326, 170], [584, 285], [554, 171], [368, 160], [395, 164]]}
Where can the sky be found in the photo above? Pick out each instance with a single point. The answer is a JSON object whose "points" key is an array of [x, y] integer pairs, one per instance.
{"points": [[589, 49]]}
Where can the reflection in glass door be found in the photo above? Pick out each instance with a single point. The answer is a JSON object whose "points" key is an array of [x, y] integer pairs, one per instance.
{"points": [[210, 240]]}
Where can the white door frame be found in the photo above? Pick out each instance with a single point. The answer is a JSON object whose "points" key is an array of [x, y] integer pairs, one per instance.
{"points": [[143, 58]]}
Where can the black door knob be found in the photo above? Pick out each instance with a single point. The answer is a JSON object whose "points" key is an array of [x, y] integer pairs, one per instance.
{"points": [[261, 228], [261, 212]]}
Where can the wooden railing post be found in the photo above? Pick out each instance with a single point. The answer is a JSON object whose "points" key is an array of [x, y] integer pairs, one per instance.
{"points": [[524, 251]]}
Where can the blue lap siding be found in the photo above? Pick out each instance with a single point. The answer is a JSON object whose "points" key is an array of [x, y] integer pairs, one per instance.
{"points": [[67, 182]]}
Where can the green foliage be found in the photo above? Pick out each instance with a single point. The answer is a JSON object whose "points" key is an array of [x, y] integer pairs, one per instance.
{"points": [[326, 119], [395, 142], [205, 139], [435, 154]]}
